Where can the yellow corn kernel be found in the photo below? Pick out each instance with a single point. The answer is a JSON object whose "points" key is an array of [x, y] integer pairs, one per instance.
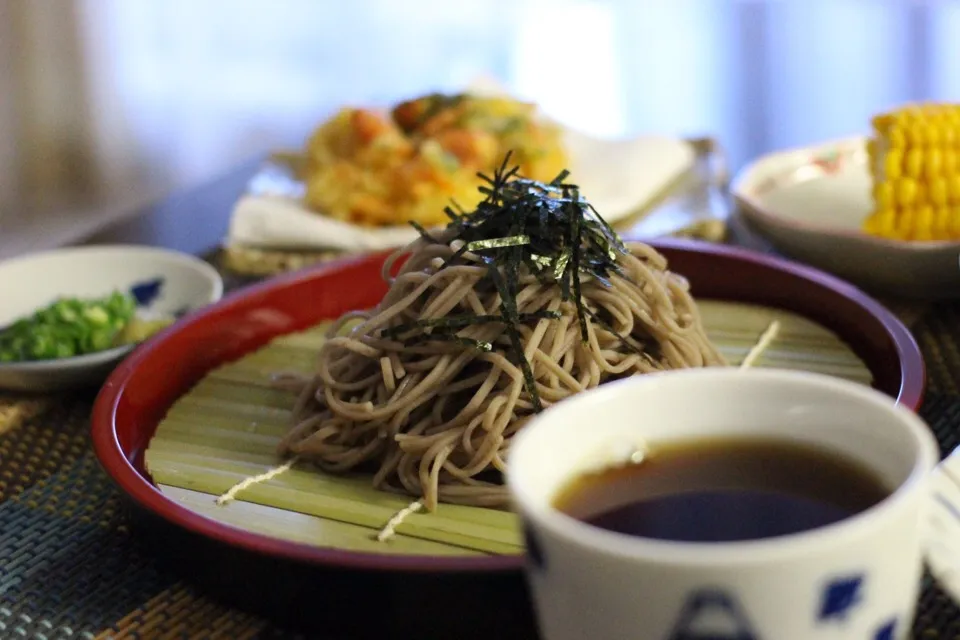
{"points": [[923, 194], [883, 195], [933, 163], [913, 162], [905, 224], [906, 190], [904, 116], [941, 223], [893, 164], [924, 226], [953, 187], [937, 190], [915, 134], [931, 134], [896, 138], [948, 137], [955, 222], [950, 162], [882, 122], [885, 221]]}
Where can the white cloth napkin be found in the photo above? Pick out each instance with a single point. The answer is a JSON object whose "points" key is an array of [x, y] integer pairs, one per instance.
{"points": [[618, 177]]}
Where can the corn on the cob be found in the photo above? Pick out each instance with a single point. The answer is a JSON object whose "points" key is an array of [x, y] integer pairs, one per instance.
{"points": [[915, 164]]}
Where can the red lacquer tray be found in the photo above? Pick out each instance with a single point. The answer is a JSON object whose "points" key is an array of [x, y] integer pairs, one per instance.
{"points": [[139, 392]]}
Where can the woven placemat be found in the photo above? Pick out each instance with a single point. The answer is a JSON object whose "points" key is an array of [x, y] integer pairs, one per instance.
{"points": [[70, 568], [14, 410]]}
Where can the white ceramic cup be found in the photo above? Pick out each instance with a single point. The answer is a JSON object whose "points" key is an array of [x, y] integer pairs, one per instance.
{"points": [[856, 579]]}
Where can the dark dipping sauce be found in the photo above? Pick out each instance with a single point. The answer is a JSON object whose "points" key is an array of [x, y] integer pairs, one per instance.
{"points": [[724, 490]]}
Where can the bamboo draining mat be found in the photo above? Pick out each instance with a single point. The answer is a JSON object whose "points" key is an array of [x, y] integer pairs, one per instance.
{"points": [[227, 427]]}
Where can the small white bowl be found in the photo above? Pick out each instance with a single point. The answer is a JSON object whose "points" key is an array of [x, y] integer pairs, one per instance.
{"points": [[810, 203], [171, 283]]}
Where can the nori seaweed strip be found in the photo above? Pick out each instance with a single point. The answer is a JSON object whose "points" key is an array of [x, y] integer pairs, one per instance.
{"points": [[423, 232], [464, 320], [544, 218], [539, 264], [612, 235], [560, 263], [454, 217], [550, 228], [602, 280], [601, 239], [575, 272], [479, 345], [623, 339], [456, 256], [500, 178], [556, 182], [498, 243], [508, 306], [514, 259]]}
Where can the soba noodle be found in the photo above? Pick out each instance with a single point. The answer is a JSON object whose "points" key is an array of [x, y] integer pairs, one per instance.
{"points": [[433, 419], [514, 307]]}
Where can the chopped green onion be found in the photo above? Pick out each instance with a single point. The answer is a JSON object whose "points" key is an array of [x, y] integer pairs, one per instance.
{"points": [[68, 327]]}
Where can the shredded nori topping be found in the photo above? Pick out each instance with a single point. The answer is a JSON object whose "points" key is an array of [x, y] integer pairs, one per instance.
{"points": [[550, 228]]}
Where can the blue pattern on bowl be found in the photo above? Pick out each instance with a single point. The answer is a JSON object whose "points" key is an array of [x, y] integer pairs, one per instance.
{"points": [[146, 292]]}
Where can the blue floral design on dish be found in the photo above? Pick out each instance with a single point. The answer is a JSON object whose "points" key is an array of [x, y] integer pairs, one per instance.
{"points": [[146, 292]]}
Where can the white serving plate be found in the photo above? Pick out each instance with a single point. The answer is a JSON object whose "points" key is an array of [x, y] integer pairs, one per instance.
{"points": [[180, 283], [810, 202]]}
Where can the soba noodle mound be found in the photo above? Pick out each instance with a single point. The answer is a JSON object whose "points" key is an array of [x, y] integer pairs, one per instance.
{"points": [[510, 309]]}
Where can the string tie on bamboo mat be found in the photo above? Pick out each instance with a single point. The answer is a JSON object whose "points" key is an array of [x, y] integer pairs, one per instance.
{"points": [[390, 529], [269, 474], [766, 339]]}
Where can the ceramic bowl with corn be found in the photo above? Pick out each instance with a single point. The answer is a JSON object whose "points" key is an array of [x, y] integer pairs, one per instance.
{"points": [[881, 210]]}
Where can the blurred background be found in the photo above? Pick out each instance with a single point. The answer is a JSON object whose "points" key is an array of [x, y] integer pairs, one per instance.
{"points": [[109, 104]]}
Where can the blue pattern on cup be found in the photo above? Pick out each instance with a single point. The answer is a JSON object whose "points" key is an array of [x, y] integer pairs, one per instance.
{"points": [[840, 596], [886, 631], [146, 292], [712, 604]]}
